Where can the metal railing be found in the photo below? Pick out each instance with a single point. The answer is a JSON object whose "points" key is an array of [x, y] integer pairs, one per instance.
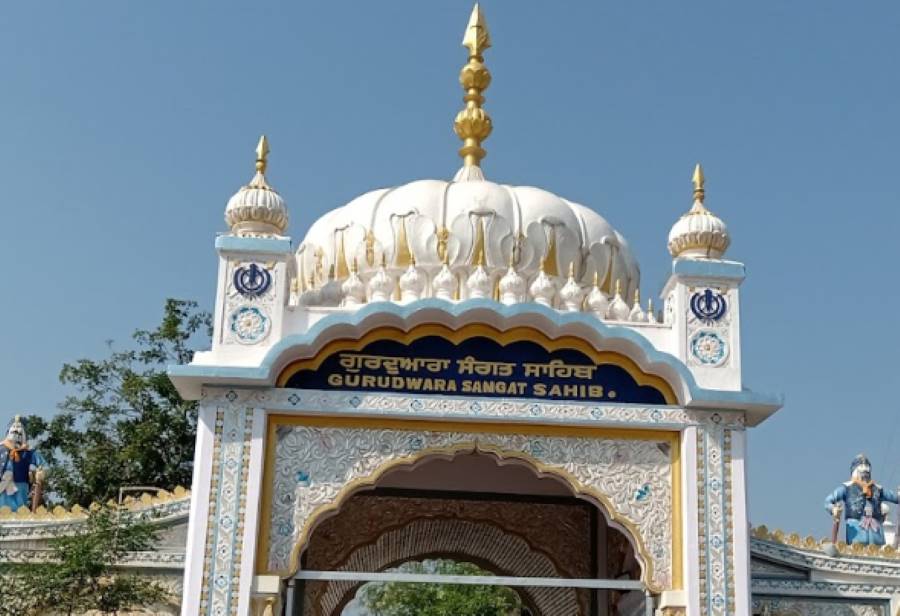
{"points": [[479, 580]]}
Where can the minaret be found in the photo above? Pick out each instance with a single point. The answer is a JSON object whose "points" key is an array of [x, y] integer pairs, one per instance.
{"points": [[701, 297], [255, 264], [473, 124]]}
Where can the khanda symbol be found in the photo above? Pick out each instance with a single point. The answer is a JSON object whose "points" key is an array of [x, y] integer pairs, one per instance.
{"points": [[708, 306], [252, 281]]}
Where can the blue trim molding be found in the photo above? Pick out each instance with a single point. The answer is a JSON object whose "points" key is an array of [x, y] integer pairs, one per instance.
{"points": [[708, 268], [255, 245]]}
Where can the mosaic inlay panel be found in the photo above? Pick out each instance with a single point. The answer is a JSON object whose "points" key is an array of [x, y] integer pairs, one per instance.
{"points": [[222, 560], [314, 464]]}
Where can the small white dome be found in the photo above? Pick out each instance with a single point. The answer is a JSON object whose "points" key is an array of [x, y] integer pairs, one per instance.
{"points": [[618, 309], [257, 209], [512, 287], [543, 289], [479, 284], [699, 233], [412, 284], [445, 284]]}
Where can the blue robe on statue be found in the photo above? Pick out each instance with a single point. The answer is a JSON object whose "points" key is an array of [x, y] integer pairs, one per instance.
{"points": [[14, 487], [862, 513]]}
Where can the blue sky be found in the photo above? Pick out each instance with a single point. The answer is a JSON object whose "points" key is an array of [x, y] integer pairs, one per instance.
{"points": [[127, 125]]}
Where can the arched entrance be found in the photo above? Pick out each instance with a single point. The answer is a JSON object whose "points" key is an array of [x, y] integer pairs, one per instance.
{"points": [[503, 514]]}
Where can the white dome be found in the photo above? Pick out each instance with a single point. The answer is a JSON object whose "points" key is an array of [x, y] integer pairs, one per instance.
{"points": [[467, 223], [256, 209], [699, 233]]}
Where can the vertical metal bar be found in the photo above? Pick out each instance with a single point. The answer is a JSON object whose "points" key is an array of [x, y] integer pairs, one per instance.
{"points": [[290, 599], [648, 603]]}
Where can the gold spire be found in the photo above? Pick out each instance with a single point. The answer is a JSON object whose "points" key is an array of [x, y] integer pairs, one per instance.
{"points": [[699, 180], [473, 124], [596, 279], [637, 297], [262, 154], [571, 269]]}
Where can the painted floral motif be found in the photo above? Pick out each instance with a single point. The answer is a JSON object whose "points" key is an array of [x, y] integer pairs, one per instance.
{"points": [[709, 348], [249, 324], [634, 476]]}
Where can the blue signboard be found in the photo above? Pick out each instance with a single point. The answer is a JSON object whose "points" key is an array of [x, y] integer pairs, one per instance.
{"points": [[475, 366]]}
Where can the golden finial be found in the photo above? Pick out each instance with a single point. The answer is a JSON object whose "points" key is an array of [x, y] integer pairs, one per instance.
{"points": [[618, 286], [637, 297], [473, 125], [477, 38], [262, 154], [699, 180], [571, 269], [354, 267], [596, 279]]}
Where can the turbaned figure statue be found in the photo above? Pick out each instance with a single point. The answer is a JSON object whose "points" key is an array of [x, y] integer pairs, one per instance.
{"points": [[863, 504], [21, 470]]}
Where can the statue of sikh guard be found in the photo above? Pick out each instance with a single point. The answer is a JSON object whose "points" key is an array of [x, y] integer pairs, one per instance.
{"points": [[21, 470], [863, 504]]}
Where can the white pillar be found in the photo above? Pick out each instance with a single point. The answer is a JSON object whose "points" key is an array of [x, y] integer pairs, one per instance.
{"points": [[197, 523]]}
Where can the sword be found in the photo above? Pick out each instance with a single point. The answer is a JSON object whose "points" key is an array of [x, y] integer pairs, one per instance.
{"points": [[836, 512]]}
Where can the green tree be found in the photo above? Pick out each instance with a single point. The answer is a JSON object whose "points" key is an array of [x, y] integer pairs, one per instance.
{"points": [[407, 599], [81, 571], [125, 423]]}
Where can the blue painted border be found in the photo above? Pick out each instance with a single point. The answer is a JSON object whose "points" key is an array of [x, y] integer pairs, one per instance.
{"points": [[703, 268], [265, 245], [263, 372]]}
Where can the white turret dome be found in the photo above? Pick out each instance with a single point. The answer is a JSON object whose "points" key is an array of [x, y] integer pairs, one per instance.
{"points": [[467, 223], [699, 232], [257, 209]]}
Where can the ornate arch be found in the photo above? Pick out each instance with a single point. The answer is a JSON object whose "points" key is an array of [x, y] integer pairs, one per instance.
{"points": [[316, 464], [489, 546]]}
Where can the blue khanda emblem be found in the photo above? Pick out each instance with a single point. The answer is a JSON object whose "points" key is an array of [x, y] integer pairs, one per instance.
{"points": [[708, 306], [252, 280]]}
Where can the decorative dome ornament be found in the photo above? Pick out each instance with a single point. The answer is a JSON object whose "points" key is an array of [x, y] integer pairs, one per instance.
{"points": [[445, 284], [618, 309], [257, 210], [512, 287], [473, 125], [597, 301], [699, 233], [354, 288], [572, 295], [543, 289], [381, 287], [412, 283], [637, 314]]}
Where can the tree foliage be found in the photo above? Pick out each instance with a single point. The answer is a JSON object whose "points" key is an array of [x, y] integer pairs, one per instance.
{"points": [[125, 424], [80, 573], [407, 599]]}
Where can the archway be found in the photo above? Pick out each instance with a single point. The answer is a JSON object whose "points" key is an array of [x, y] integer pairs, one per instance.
{"points": [[500, 513]]}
